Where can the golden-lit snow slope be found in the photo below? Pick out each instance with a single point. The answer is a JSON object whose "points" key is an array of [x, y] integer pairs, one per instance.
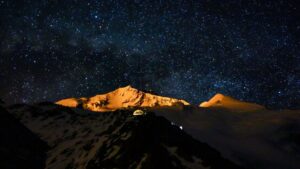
{"points": [[221, 101], [124, 97]]}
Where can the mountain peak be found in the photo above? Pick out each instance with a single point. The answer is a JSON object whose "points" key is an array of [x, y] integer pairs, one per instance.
{"points": [[222, 101], [126, 90], [220, 96], [122, 98], [128, 87]]}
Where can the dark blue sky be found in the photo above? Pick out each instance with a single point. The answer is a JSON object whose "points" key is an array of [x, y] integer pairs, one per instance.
{"points": [[52, 49]]}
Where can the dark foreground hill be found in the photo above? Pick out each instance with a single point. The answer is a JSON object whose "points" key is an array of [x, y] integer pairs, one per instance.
{"points": [[83, 140], [19, 147]]}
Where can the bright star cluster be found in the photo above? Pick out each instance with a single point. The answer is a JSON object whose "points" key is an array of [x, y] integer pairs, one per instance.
{"points": [[247, 49]]}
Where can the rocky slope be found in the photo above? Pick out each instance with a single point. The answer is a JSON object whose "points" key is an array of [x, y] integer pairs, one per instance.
{"points": [[123, 98], [86, 140]]}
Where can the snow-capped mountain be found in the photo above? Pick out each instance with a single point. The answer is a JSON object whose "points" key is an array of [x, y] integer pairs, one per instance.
{"points": [[123, 98], [171, 134], [227, 102]]}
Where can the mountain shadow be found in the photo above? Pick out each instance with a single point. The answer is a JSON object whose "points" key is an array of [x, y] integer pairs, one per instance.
{"points": [[87, 140], [19, 147], [151, 142]]}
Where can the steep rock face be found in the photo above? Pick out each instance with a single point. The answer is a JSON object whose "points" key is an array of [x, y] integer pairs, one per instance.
{"points": [[86, 140], [19, 147], [222, 101], [122, 98]]}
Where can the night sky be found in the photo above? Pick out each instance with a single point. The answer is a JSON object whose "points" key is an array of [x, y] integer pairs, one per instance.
{"points": [[53, 49]]}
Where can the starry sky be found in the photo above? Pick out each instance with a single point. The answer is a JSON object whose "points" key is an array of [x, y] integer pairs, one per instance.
{"points": [[190, 49]]}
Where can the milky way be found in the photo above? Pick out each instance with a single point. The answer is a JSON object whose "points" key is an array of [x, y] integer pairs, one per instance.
{"points": [[53, 49]]}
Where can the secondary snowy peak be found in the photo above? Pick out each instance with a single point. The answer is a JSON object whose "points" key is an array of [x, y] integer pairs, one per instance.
{"points": [[222, 101], [124, 97]]}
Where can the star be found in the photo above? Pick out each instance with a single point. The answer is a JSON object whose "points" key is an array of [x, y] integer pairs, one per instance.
{"points": [[189, 50]]}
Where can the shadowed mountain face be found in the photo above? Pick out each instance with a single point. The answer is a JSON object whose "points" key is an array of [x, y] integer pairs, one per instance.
{"points": [[163, 146], [261, 139], [86, 140], [19, 147]]}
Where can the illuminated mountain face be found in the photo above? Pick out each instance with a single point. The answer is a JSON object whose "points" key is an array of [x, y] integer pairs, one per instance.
{"points": [[122, 98], [129, 97], [229, 103]]}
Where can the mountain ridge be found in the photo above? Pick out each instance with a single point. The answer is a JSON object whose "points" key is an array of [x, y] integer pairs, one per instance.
{"points": [[263, 139], [131, 98], [123, 98]]}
